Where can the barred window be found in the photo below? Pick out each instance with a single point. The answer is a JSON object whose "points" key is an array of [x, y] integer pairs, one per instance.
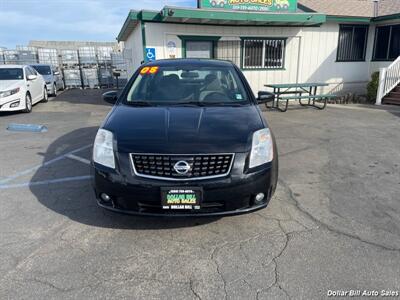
{"points": [[352, 43], [263, 53], [387, 42]]}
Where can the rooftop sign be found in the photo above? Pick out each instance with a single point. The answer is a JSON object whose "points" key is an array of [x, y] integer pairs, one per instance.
{"points": [[254, 5]]}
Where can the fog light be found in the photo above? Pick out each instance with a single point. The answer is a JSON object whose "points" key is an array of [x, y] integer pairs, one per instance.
{"points": [[259, 197], [14, 104], [105, 197]]}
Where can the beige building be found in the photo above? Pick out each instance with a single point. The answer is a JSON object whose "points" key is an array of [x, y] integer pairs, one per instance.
{"points": [[340, 42]]}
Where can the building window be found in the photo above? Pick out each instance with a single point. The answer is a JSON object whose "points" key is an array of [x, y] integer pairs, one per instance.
{"points": [[229, 50], [387, 42], [352, 44], [198, 46], [263, 53]]}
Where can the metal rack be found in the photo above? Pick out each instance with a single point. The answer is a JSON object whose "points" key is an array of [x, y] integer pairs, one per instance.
{"points": [[87, 56], [48, 56], [84, 67], [69, 57], [72, 78], [90, 77]]}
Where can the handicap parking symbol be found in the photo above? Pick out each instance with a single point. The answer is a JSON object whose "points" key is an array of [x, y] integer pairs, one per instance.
{"points": [[150, 54]]}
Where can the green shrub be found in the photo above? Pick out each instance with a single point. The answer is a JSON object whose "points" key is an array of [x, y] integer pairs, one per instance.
{"points": [[372, 87]]}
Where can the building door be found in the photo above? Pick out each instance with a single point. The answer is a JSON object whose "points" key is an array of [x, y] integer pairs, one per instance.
{"points": [[199, 49]]}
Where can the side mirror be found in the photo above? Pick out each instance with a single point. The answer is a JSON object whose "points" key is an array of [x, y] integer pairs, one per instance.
{"points": [[265, 97], [110, 97], [56, 73], [32, 77]]}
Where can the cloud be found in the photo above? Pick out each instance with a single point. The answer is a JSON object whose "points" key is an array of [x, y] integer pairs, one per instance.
{"points": [[92, 20]]}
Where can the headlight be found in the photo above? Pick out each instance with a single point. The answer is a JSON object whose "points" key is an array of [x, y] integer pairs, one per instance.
{"points": [[9, 93], [262, 150], [103, 152]]}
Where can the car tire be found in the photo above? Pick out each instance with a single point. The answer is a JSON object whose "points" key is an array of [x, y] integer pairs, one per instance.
{"points": [[54, 90], [45, 96], [28, 104]]}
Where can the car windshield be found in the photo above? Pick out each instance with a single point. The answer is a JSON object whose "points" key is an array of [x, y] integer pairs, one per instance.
{"points": [[189, 85], [11, 74], [43, 70]]}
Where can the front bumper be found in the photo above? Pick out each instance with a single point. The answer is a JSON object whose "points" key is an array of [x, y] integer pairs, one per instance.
{"points": [[6, 102], [50, 88], [234, 194]]}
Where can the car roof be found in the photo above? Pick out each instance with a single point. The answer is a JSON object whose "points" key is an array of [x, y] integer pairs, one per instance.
{"points": [[44, 65], [12, 66], [200, 62]]}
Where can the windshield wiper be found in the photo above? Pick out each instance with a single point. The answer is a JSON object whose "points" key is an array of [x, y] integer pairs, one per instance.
{"points": [[140, 103]]}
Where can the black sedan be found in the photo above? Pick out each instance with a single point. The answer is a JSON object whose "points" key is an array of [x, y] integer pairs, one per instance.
{"points": [[185, 138]]}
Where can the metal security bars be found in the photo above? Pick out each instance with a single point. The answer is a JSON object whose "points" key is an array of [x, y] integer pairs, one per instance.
{"points": [[352, 44], [229, 50], [263, 53], [387, 43]]}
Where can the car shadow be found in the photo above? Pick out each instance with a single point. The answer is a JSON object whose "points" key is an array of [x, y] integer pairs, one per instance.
{"points": [[10, 113], [82, 96], [75, 199]]}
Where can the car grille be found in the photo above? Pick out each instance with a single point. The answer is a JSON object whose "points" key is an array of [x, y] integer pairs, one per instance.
{"points": [[199, 166]]}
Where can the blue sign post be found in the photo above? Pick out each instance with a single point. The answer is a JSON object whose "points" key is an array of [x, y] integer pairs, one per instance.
{"points": [[150, 54]]}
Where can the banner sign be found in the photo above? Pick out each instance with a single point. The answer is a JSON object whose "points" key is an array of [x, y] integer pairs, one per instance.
{"points": [[256, 5]]}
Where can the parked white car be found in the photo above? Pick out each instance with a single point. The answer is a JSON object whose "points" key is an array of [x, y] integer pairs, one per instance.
{"points": [[52, 76], [20, 88]]}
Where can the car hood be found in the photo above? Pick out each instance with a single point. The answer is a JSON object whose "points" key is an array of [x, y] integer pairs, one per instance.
{"points": [[6, 85], [47, 78], [183, 130]]}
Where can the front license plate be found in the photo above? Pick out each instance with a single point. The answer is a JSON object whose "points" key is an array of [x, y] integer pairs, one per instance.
{"points": [[186, 198]]}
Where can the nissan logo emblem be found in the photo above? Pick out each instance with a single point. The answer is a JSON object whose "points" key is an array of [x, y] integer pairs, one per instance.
{"points": [[182, 167]]}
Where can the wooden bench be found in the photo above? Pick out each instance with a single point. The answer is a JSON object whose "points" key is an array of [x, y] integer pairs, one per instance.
{"points": [[311, 100]]}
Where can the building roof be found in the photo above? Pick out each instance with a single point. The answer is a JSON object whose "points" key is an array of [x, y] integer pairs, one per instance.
{"points": [[354, 8], [310, 13], [219, 17], [388, 7]]}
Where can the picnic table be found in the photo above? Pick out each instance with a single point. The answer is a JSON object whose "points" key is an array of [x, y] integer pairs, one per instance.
{"points": [[296, 91]]}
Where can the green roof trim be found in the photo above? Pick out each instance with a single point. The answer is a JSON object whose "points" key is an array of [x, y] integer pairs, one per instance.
{"points": [[218, 17], [365, 20], [386, 18], [196, 16], [130, 22], [304, 19]]}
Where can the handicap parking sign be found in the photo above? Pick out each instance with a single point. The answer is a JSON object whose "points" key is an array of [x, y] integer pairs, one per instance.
{"points": [[150, 54]]}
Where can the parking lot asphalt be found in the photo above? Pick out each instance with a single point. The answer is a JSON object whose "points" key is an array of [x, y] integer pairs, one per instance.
{"points": [[333, 224]]}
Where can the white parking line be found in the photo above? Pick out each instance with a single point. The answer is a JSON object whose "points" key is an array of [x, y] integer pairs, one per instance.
{"points": [[78, 158], [27, 171], [44, 182]]}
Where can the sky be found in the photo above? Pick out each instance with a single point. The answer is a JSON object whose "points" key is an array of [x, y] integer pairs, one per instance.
{"points": [[65, 20]]}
